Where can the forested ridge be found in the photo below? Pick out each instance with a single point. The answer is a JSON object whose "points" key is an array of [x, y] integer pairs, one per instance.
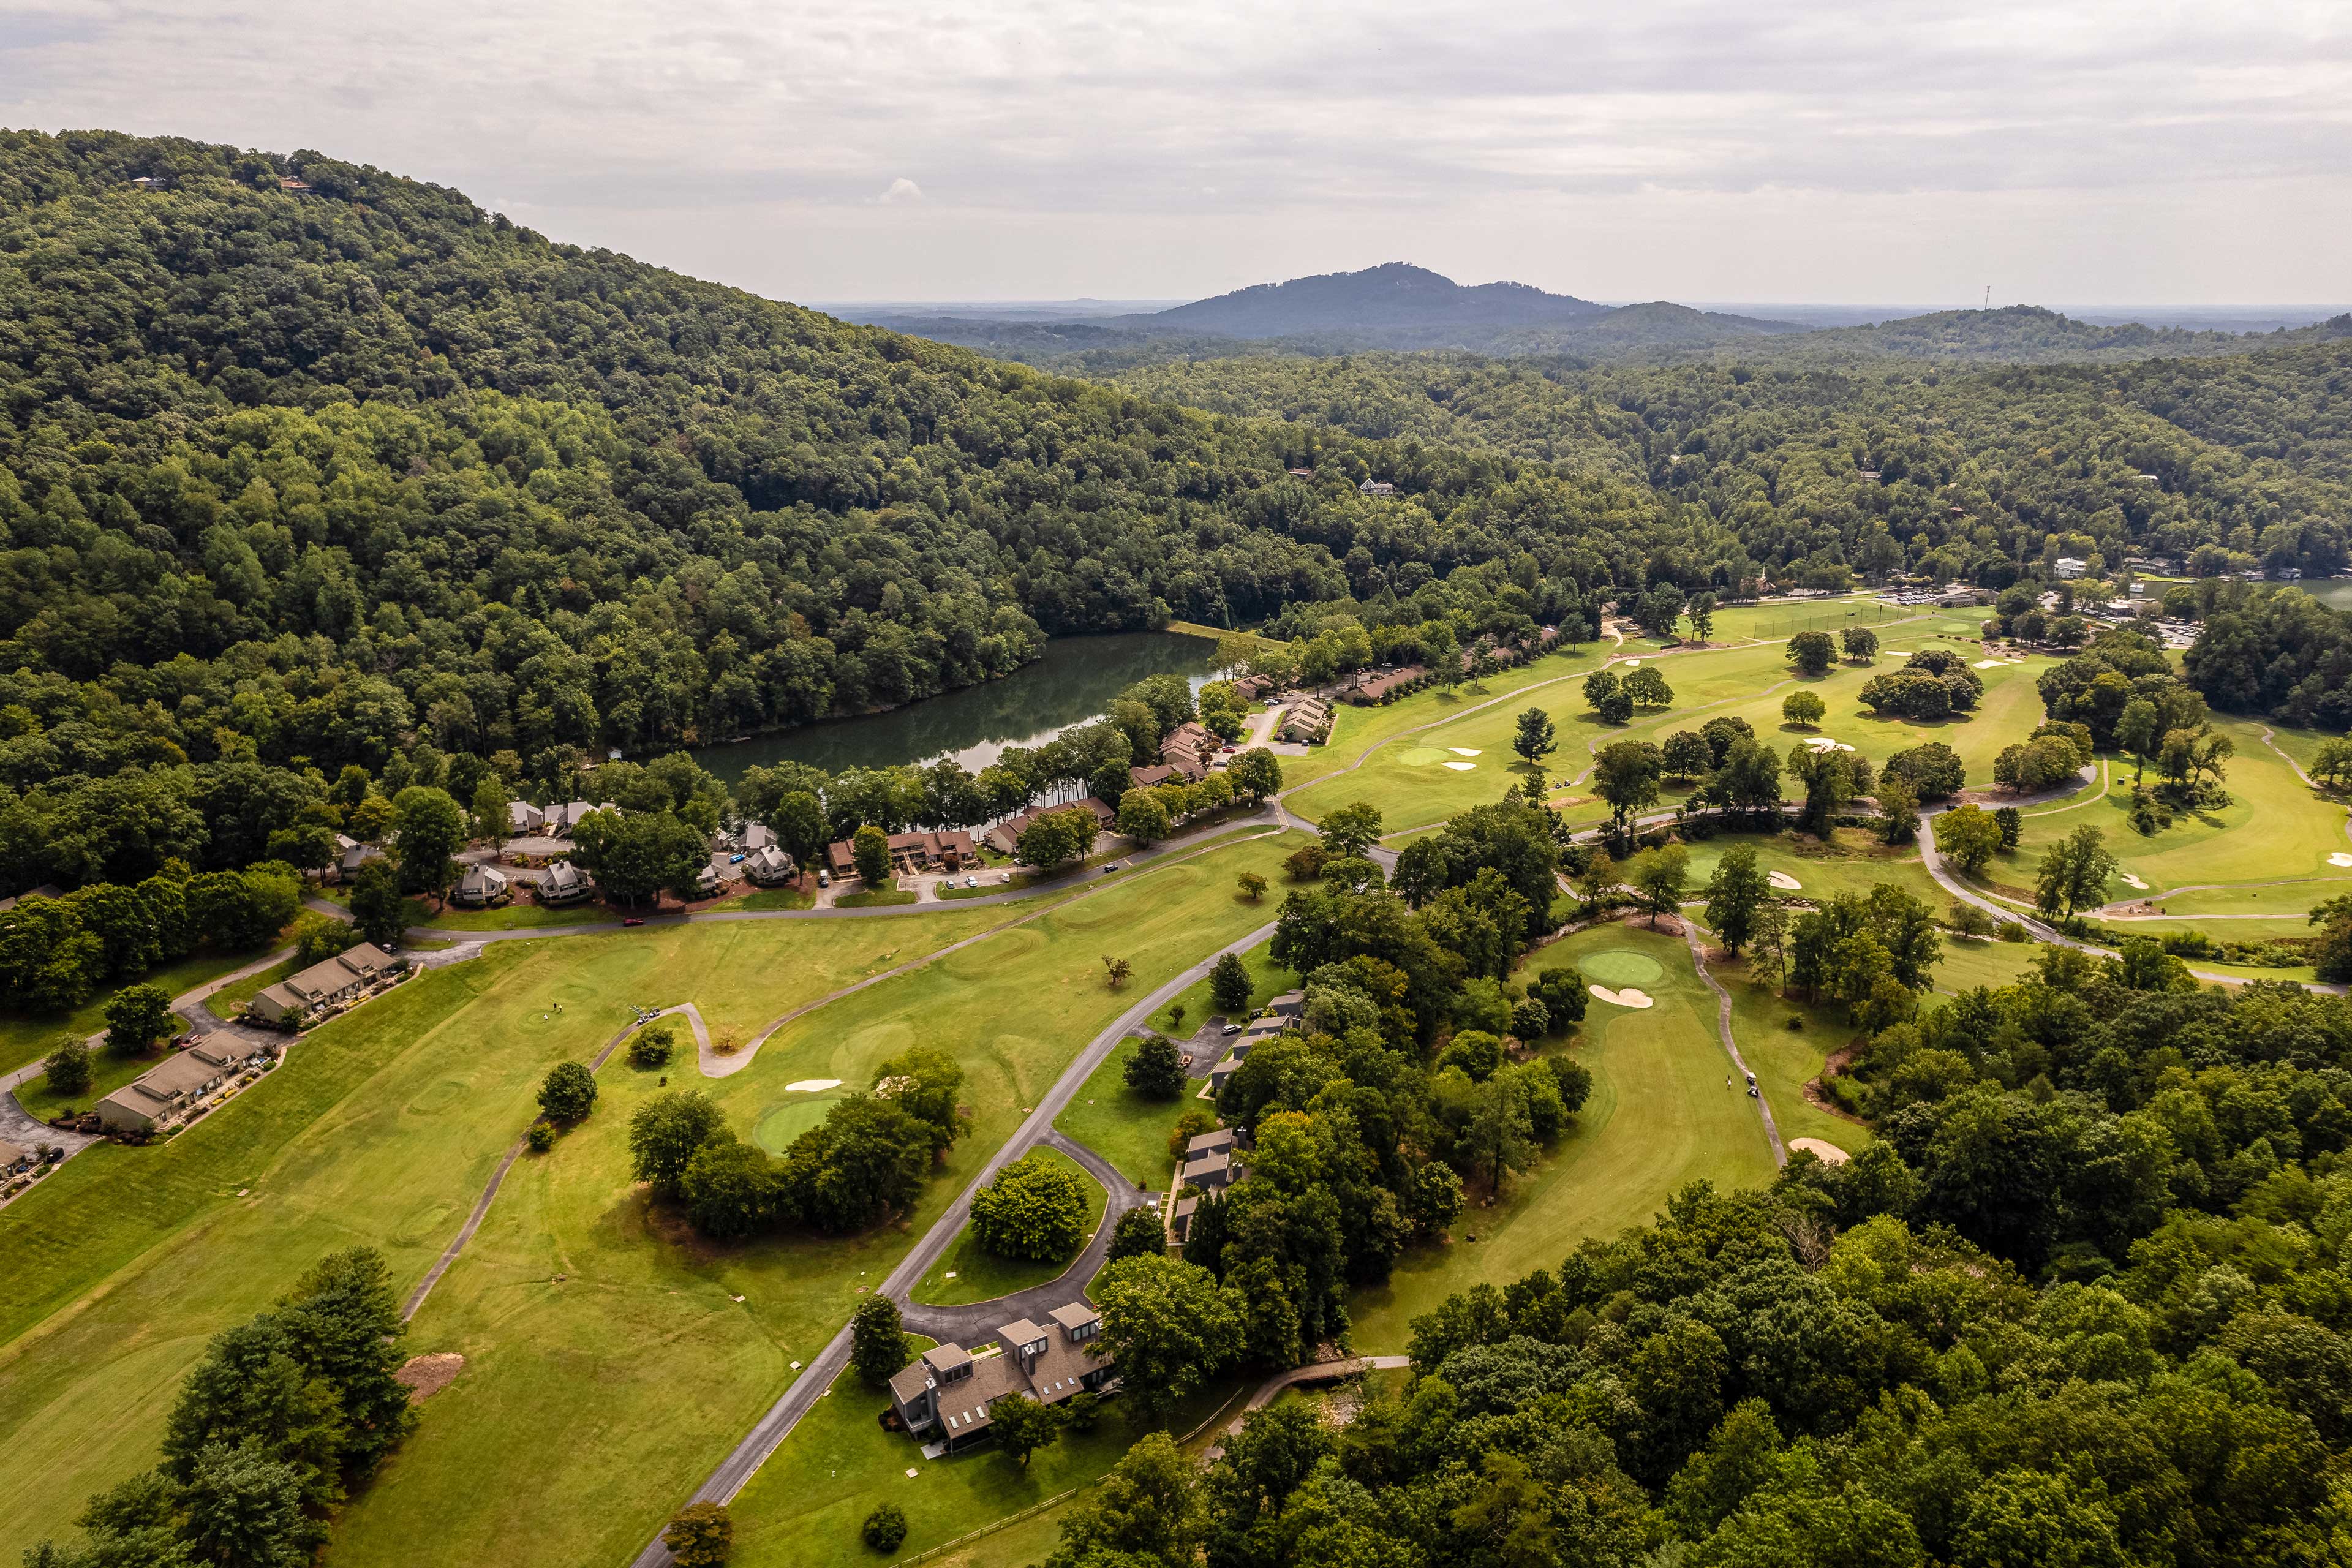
{"points": [[2219, 464], [293, 480], [305, 466]]}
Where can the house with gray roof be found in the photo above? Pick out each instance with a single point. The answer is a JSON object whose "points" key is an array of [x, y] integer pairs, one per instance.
{"points": [[1220, 1142], [330, 982], [1210, 1169], [564, 883], [163, 1092], [945, 1394], [769, 865], [481, 888]]}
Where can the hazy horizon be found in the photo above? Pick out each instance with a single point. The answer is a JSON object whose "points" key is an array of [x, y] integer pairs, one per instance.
{"points": [[1695, 149], [1816, 313]]}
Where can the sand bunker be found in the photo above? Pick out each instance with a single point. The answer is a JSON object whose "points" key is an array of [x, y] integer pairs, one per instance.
{"points": [[2339, 859], [1629, 997], [1823, 743], [2131, 881], [1631, 663], [813, 1086], [1461, 767], [1991, 663], [1785, 882], [1464, 751], [1895, 652], [1827, 1153]]}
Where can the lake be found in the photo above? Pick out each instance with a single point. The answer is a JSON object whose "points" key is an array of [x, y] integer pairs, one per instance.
{"points": [[1073, 682]]}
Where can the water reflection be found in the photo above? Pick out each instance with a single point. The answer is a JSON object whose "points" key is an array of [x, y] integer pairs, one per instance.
{"points": [[1075, 681]]}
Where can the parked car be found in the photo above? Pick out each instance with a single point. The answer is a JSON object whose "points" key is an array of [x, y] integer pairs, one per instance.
{"points": [[972, 882], [1233, 1028], [824, 878], [634, 921], [735, 859]]}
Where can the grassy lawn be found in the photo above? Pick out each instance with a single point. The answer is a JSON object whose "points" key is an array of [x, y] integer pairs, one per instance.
{"points": [[1122, 1125], [1852, 862], [772, 898], [804, 1507], [1659, 1117], [967, 1271], [1268, 979], [108, 1071], [1409, 780], [509, 917], [592, 1406], [230, 1000], [1354, 730], [1969, 964], [2276, 829], [27, 1037], [1785, 1060], [874, 900], [381, 1128]]}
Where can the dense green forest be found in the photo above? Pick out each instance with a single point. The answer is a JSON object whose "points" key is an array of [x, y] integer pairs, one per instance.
{"points": [[305, 466], [2084, 1305], [2220, 464]]}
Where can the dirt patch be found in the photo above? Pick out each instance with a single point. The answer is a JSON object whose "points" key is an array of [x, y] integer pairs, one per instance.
{"points": [[427, 1375], [1819, 1100]]}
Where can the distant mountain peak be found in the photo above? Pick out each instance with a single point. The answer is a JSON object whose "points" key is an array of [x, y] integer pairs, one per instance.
{"points": [[1395, 296]]}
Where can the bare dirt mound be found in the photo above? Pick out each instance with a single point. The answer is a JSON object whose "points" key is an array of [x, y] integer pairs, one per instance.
{"points": [[427, 1375]]}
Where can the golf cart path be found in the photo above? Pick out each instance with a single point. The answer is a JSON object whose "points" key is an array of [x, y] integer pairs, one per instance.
{"points": [[497, 1178], [1731, 1044], [818, 1376], [2042, 930]]}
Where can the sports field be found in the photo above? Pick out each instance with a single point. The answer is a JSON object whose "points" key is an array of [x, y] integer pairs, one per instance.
{"points": [[609, 1365], [1659, 1116], [2265, 853], [608, 1406]]}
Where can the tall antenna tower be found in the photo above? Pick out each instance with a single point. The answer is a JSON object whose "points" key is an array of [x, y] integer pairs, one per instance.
{"points": [[1987, 296]]}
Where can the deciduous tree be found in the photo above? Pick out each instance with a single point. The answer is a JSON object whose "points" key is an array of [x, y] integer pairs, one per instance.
{"points": [[568, 1093], [1155, 1069], [1738, 889], [1036, 1208]]}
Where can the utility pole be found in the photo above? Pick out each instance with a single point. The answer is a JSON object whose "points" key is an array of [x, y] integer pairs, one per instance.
{"points": [[1987, 296]]}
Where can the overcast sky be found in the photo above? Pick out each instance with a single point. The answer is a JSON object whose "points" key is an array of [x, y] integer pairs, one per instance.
{"points": [[2074, 152]]}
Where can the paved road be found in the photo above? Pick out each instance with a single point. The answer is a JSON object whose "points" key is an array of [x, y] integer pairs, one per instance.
{"points": [[772, 1429], [1313, 1372], [980, 1319]]}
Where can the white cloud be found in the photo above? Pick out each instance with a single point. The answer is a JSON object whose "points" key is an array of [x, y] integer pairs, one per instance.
{"points": [[2086, 149]]}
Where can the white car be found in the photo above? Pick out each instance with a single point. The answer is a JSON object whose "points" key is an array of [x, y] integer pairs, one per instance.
{"points": [[972, 882]]}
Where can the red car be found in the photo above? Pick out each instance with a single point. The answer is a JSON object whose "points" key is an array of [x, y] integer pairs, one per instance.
{"points": [[634, 921]]}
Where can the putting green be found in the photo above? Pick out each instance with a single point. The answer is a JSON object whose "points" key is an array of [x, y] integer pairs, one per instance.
{"points": [[1424, 757], [1619, 968], [789, 1121]]}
